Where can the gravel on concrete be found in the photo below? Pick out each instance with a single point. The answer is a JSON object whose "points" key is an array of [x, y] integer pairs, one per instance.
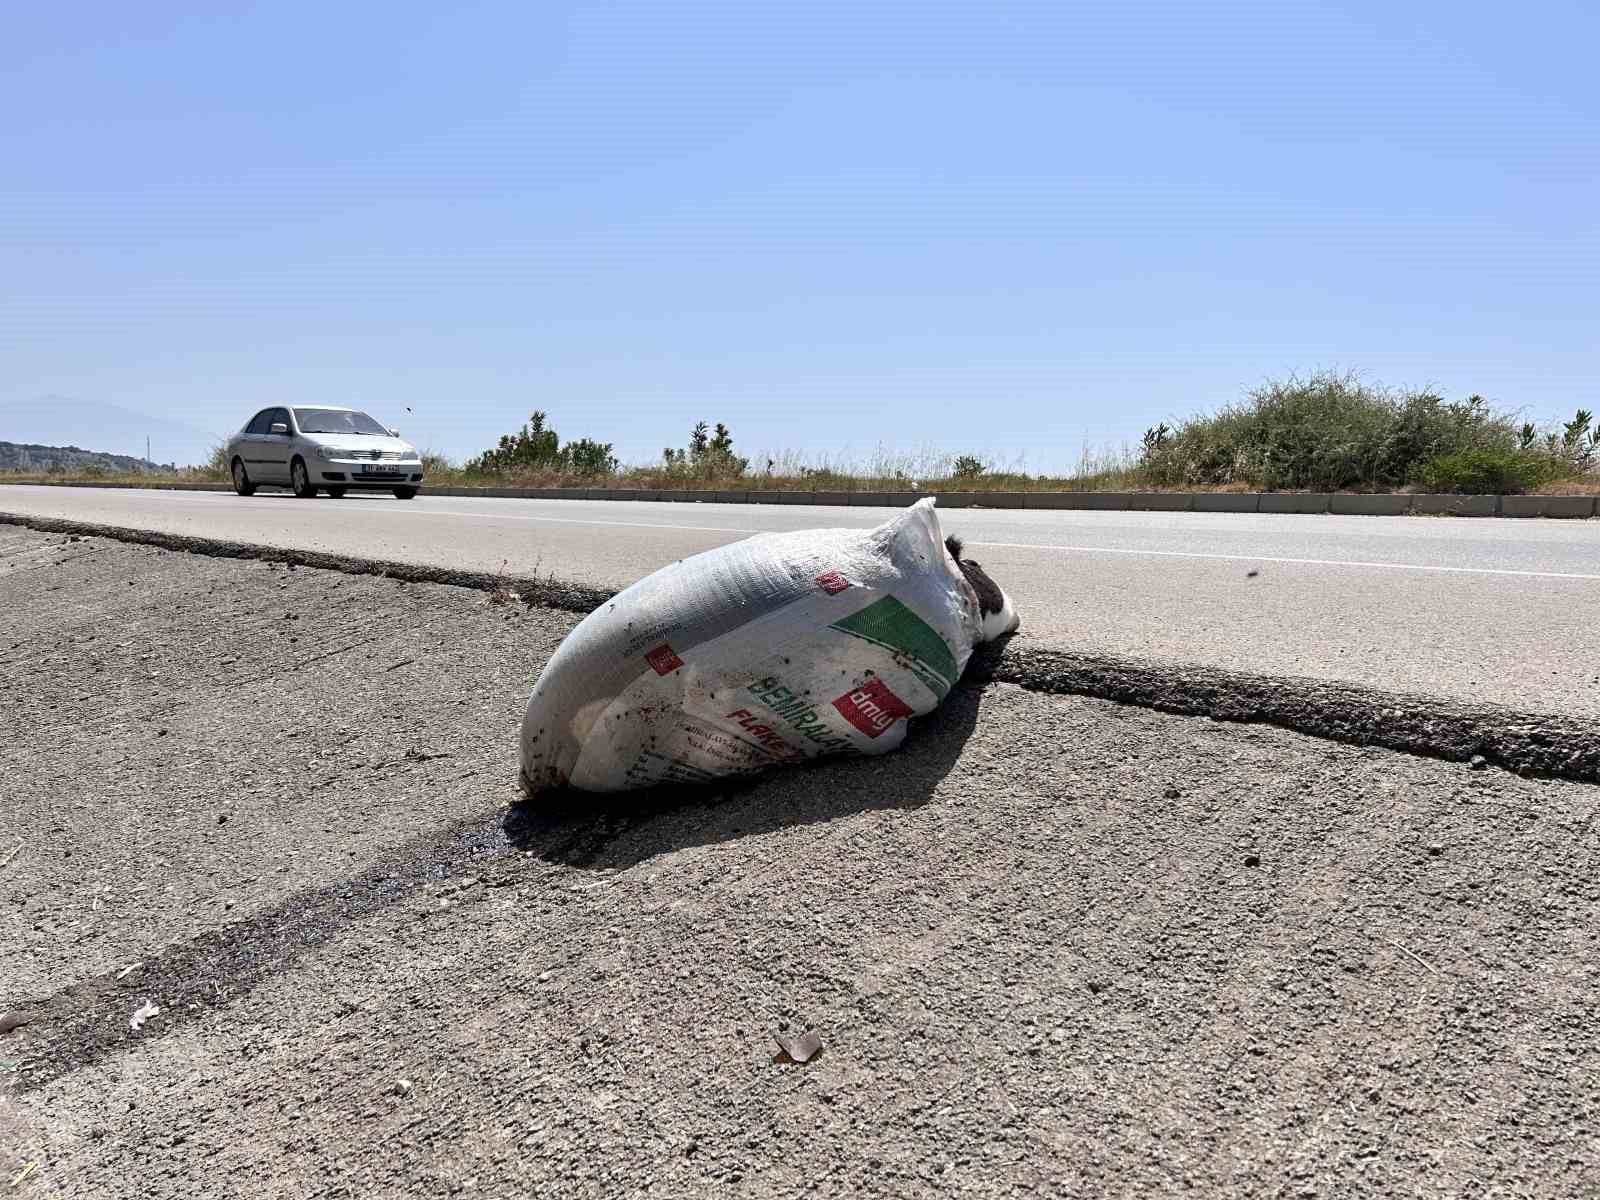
{"points": [[1055, 944]]}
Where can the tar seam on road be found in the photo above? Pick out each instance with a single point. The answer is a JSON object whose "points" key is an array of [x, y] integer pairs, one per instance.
{"points": [[1546, 744]]}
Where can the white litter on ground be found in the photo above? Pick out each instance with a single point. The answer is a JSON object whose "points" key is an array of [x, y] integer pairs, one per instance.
{"points": [[772, 650]]}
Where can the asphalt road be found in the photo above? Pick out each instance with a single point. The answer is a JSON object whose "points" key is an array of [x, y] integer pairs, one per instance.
{"points": [[1496, 611], [1054, 945]]}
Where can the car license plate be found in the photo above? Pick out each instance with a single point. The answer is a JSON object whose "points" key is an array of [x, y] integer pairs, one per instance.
{"points": [[373, 469]]}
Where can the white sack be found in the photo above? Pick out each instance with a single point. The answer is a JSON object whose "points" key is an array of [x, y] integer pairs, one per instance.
{"points": [[772, 650]]}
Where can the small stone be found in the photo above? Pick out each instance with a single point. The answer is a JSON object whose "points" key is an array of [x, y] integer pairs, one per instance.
{"points": [[1252, 860], [1172, 793], [222, 818], [1435, 850], [1478, 762], [402, 1087]]}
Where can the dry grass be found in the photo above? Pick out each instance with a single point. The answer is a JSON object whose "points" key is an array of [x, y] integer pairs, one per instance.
{"points": [[1111, 472], [1589, 486]]}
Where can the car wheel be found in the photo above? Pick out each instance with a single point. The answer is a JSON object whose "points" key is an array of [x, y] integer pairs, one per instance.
{"points": [[241, 480], [405, 493], [336, 492], [300, 481]]}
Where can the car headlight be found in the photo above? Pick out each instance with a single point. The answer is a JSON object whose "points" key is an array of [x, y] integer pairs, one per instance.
{"points": [[324, 453]]}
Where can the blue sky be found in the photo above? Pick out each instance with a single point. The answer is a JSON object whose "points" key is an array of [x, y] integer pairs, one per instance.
{"points": [[1008, 228]]}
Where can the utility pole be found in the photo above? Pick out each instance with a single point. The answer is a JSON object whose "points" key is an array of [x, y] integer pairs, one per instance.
{"points": [[147, 449]]}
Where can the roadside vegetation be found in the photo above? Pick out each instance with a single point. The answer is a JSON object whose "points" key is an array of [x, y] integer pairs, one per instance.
{"points": [[1328, 432], [1334, 433]]}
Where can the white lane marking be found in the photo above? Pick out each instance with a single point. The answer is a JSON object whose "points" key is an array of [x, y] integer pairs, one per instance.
{"points": [[1298, 562]]}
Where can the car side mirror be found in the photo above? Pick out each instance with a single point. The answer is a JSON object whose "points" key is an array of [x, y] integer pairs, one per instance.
{"points": [[279, 427], [394, 433]]}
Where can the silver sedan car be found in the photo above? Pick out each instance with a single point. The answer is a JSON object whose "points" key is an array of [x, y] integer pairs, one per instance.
{"points": [[322, 448]]}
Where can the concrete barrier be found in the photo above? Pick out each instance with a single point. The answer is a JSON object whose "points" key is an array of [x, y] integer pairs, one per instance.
{"points": [[872, 499], [1444, 504], [791, 497], [1060, 500], [1572, 506], [1226, 502], [956, 499], [1158, 501], [997, 500], [1547, 506], [1347, 505], [1294, 502]]}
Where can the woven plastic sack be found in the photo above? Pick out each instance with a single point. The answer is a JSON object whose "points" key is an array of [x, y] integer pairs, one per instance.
{"points": [[772, 650]]}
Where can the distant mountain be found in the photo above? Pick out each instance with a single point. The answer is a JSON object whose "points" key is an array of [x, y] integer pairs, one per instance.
{"points": [[19, 457], [63, 421]]}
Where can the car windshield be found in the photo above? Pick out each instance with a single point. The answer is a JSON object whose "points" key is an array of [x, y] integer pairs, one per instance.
{"points": [[336, 420]]}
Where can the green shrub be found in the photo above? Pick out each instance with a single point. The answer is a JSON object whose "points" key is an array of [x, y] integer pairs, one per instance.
{"points": [[1330, 432], [968, 466], [217, 461], [706, 457], [535, 447], [1489, 470]]}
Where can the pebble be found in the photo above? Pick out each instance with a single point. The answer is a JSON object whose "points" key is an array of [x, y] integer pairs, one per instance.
{"points": [[1172, 793], [1478, 762], [1252, 860]]}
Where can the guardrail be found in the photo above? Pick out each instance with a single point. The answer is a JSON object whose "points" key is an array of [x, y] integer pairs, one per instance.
{"points": [[1337, 503]]}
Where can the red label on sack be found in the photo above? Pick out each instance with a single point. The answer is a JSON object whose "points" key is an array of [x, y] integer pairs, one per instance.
{"points": [[872, 707], [832, 582], [663, 659]]}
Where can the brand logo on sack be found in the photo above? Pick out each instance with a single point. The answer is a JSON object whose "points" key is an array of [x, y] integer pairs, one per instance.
{"points": [[798, 713], [663, 659], [872, 707], [889, 624], [832, 582]]}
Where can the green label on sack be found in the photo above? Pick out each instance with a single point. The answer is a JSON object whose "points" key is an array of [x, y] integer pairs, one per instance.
{"points": [[892, 625]]}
